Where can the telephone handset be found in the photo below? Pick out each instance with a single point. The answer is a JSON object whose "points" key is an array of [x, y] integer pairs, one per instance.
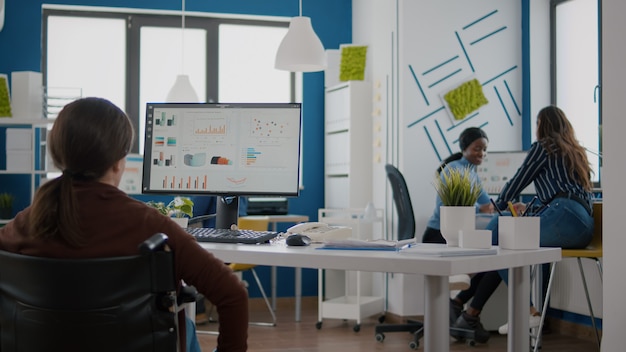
{"points": [[319, 231]]}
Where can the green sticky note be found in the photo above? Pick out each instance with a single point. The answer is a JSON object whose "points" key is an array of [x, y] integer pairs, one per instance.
{"points": [[5, 101], [352, 67], [465, 99]]}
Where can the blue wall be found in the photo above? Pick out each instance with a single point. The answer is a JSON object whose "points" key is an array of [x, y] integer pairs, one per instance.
{"points": [[21, 44]]}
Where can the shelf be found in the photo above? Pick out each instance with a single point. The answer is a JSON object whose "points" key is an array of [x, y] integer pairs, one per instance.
{"points": [[25, 153], [18, 121], [23, 172], [352, 307]]}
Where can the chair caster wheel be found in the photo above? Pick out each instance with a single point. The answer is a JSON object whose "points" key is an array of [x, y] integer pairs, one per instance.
{"points": [[318, 325], [414, 345], [357, 328], [471, 343], [380, 337]]}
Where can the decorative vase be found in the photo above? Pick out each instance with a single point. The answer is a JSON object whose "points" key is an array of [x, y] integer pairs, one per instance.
{"points": [[183, 222], [455, 218]]}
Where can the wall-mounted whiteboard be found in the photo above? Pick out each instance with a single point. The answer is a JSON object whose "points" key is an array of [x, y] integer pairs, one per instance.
{"points": [[498, 168]]}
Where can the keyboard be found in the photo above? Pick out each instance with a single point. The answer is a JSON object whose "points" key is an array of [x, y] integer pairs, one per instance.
{"points": [[205, 234]]}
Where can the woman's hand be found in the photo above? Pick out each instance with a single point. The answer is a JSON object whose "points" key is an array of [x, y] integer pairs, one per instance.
{"points": [[486, 208], [520, 208]]}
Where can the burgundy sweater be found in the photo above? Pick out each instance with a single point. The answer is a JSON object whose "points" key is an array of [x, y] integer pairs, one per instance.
{"points": [[115, 224]]}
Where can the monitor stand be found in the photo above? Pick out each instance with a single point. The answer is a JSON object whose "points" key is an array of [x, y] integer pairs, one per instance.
{"points": [[227, 212]]}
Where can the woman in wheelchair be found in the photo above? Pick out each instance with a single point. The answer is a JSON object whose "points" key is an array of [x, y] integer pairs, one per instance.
{"points": [[83, 214]]}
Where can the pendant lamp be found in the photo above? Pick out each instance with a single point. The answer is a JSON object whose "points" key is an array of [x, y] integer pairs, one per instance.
{"points": [[300, 50], [182, 91]]}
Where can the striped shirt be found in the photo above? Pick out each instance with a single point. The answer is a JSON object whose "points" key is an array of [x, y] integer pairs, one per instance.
{"points": [[549, 174]]}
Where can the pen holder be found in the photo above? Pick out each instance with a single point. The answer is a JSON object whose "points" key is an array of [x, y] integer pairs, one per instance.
{"points": [[518, 232]]}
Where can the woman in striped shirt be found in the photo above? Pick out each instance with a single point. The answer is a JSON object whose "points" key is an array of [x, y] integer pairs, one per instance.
{"points": [[557, 165]]}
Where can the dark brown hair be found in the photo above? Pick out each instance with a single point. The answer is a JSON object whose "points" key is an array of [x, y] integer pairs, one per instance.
{"points": [[556, 134], [467, 137], [87, 138]]}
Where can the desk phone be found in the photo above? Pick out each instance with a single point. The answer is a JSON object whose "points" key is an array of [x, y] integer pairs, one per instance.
{"points": [[319, 231]]}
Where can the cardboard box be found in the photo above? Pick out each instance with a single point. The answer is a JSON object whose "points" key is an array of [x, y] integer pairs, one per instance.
{"points": [[520, 232]]}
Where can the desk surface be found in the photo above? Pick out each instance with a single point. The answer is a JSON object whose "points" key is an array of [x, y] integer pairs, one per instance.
{"points": [[435, 269], [377, 261]]}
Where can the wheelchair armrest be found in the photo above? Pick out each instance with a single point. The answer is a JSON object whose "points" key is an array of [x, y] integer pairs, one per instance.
{"points": [[187, 294], [155, 243]]}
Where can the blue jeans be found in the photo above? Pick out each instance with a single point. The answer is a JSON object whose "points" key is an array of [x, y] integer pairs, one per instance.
{"points": [[565, 223], [192, 339]]}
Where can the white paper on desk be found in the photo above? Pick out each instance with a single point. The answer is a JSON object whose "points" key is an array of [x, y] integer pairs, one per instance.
{"points": [[442, 250], [353, 243]]}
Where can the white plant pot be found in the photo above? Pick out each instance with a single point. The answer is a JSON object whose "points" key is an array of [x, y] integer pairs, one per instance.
{"points": [[181, 221], [452, 219]]}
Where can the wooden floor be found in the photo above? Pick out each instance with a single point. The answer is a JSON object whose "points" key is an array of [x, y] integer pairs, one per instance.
{"points": [[338, 335]]}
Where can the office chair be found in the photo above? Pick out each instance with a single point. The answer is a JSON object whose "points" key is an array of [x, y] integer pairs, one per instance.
{"points": [[406, 230], [594, 252], [101, 304]]}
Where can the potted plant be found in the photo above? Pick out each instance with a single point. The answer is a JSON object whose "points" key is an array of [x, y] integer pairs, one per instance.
{"points": [[458, 190], [180, 209], [6, 205]]}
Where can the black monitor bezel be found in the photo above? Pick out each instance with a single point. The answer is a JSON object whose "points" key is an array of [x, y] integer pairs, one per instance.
{"points": [[145, 189]]}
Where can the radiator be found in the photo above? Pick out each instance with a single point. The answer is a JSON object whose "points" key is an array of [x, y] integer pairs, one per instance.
{"points": [[568, 293]]}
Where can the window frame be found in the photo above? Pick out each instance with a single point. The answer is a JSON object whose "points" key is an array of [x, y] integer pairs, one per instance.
{"points": [[553, 74], [135, 20]]}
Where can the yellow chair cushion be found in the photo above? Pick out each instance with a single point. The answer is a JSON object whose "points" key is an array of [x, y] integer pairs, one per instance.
{"points": [[594, 249], [250, 223], [241, 267], [589, 252]]}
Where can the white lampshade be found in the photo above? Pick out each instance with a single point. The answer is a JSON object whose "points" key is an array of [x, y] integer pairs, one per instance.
{"points": [[301, 50], [182, 91]]}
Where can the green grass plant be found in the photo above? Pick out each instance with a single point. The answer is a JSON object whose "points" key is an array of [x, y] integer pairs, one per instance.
{"points": [[457, 187]]}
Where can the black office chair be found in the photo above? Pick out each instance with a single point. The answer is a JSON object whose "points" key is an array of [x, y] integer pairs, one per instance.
{"points": [[104, 304], [406, 230], [402, 201]]}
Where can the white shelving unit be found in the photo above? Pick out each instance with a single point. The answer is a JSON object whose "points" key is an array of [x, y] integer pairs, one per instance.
{"points": [[357, 300], [348, 145], [348, 187], [32, 157]]}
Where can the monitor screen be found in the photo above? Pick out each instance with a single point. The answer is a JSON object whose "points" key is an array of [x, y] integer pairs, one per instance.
{"points": [[498, 168], [239, 149]]}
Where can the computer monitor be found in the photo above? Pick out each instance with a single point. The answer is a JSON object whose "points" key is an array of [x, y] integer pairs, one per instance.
{"points": [[498, 168], [224, 150]]}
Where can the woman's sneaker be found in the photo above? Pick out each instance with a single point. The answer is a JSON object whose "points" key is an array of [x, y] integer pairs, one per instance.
{"points": [[533, 322], [468, 322], [456, 309]]}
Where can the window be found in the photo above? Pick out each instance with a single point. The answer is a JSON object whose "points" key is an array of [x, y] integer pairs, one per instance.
{"points": [[576, 79], [134, 58], [86, 62]]}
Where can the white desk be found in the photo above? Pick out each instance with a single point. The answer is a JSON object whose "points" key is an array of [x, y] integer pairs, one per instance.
{"points": [[435, 269], [274, 220]]}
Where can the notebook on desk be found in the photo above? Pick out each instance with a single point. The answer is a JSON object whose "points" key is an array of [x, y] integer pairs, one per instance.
{"points": [[442, 250]]}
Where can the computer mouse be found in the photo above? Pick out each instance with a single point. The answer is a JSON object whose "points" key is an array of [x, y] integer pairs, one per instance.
{"points": [[298, 240]]}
